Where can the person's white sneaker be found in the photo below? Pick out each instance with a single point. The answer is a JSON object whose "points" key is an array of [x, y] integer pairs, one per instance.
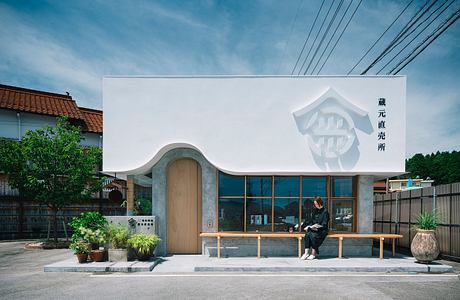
{"points": [[311, 257], [304, 256]]}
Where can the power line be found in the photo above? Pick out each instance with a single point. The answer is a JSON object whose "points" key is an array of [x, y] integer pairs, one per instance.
{"points": [[398, 37], [308, 37], [340, 36], [316, 37], [434, 35], [373, 45], [332, 36], [299, 7], [417, 35], [324, 35]]}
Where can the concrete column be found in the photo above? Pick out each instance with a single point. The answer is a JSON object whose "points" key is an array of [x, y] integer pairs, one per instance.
{"points": [[365, 204], [130, 196]]}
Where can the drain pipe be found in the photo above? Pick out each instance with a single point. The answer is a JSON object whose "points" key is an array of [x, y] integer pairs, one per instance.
{"points": [[18, 114]]}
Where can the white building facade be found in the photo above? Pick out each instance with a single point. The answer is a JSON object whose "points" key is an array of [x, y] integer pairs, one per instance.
{"points": [[248, 154]]}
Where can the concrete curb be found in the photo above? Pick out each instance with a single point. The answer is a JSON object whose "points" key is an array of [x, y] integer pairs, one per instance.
{"points": [[70, 265]]}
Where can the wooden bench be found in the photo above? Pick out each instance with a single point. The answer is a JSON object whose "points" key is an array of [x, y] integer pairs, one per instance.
{"points": [[380, 236], [258, 235]]}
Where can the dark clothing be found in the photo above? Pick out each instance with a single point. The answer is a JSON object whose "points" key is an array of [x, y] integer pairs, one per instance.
{"points": [[313, 238]]}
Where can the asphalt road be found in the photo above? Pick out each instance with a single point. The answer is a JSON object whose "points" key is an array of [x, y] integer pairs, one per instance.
{"points": [[22, 277]]}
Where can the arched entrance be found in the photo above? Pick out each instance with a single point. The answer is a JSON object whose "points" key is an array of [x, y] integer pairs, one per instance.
{"points": [[184, 207]]}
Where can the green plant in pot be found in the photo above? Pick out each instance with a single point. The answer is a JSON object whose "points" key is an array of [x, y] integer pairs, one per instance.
{"points": [[424, 246], [81, 251], [90, 220], [144, 244], [97, 238], [118, 238]]}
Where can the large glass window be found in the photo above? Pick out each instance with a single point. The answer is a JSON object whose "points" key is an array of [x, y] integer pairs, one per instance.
{"points": [[275, 203], [342, 215], [287, 186], [231, 214], [259, 186], [314, 186], [259, 214], [230, 185], [286, 213], [342, 186]]}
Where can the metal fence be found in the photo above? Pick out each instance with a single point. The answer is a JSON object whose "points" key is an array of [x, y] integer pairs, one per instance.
{"points": [[23, 219], [398, 212]]}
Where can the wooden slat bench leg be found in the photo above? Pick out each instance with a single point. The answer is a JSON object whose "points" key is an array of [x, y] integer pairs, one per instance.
{"points": [[381, 248], [340, 246], [218, 246], [300, 246], [258, 246], [393, 247]]}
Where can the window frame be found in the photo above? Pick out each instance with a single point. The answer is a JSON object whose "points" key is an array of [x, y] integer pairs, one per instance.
{"points": [[329, 199]]}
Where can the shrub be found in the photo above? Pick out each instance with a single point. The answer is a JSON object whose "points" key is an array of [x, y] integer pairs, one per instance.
{"points": [[427, 221], [118, 236], [144, 243], [79, 248], [92, 236], [89, 220]]}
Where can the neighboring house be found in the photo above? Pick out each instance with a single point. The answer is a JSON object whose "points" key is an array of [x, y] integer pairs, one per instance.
{"points": [[24, 109], [397, 185]]}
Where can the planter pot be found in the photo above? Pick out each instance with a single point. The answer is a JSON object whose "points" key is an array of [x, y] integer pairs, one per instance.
{"points": [[143, 256], [424, 246], [82, 257], [118, 255], [97, 255]]}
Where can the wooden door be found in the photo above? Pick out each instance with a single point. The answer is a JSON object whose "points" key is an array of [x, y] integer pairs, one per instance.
{"points": [[184, 207]]}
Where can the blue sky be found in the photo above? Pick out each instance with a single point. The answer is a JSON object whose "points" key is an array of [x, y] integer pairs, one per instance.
{"points": [[61, 46]]}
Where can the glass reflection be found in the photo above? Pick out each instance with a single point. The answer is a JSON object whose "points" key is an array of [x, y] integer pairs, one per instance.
{"points": [[259, 186], [342, 215], [231, 214], [314, 186], [286, 186], [342, 186], [286, 214], [230, 185], [259, 214]]}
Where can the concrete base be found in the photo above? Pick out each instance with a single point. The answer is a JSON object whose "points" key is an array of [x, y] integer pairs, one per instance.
{"points": [[71, 265], [244, 247], [275, 264]]}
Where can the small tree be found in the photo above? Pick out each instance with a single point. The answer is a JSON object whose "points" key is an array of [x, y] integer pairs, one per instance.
{"points": [[50, 166]]}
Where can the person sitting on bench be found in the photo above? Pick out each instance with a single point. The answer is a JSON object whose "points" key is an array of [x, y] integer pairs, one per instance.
{"points": [[316, 228]]}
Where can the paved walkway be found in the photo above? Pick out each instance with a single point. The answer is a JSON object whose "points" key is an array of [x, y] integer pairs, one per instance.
{"points": [[199, 263]]}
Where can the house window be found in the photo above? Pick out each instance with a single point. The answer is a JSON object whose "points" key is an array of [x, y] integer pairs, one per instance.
{"points": [[276, 203]]}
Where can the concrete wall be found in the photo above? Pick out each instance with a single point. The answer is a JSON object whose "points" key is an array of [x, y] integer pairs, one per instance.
{"points": [[365, 204], [159, 192], [235, 247]]}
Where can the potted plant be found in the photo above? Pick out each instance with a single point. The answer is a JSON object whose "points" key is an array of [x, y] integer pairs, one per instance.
{"points": [[143, 245], [118, 237], [81, 251], [96, 238], [424, 246]]}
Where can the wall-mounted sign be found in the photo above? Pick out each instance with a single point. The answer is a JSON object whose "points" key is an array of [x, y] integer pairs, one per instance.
{"points": [[258, 125]]}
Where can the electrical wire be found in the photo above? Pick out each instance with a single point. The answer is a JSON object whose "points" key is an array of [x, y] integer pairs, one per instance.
{"points": [[375, 43], [332, 36], [299, 7], [418, 34], [340, 36], [308, 37], [395, 39], [316, 37], [324, 35], [434, 35]]}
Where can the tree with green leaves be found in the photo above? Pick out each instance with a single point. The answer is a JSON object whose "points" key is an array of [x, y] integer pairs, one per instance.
{"points": [[442, 167], [51, 166]]}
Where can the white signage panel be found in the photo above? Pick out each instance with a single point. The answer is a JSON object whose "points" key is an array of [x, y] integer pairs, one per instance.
{"points": [[258, 125]]}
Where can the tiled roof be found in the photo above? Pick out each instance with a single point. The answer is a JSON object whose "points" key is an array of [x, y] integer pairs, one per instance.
{"points": [[92, 118], [32, 101], [52, 104]]}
